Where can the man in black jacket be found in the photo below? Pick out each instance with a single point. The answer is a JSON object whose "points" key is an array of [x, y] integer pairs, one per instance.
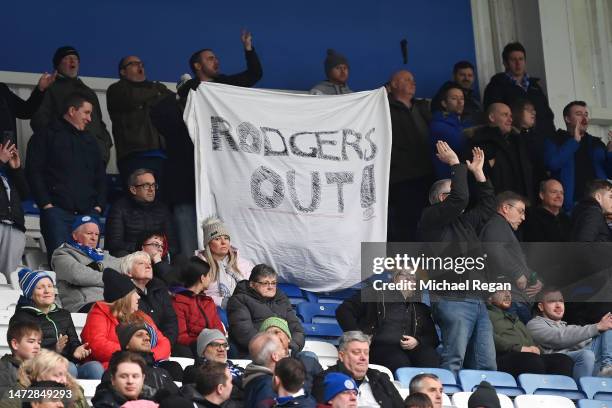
{"points": [[513, 84], [589, 216], [375, 387], [136, 214], [463, 75], [547, 222], [467, 334], [65, 172]]}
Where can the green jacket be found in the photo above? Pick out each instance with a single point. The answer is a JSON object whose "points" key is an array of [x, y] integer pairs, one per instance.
{"points": [[129, 105], [509, 333], [53, 104]]}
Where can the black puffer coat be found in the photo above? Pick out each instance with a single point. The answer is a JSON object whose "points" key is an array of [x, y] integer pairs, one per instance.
{"points": [[129, 219], [10, 209], [247, 309], [158, 305]]}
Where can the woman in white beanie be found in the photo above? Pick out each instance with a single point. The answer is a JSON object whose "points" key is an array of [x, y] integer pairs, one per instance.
{"points": [[226, 267]]}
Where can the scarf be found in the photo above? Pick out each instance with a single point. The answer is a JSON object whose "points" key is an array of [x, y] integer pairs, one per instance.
{"points": [[96, 254]]}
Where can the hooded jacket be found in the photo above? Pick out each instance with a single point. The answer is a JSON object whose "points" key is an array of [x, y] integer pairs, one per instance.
{"points": [[53, 324], [9, 366], [589, 223], [329, 88], [247, 309], [509, 333], [107, 397], [257, 384], [194, 312], [447, 127], [79, 278], [100, 333]]}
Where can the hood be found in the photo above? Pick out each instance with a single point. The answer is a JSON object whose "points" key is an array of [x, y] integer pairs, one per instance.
{"points": [[185, 296], [243, 287], [9, 358], [253, 371]]}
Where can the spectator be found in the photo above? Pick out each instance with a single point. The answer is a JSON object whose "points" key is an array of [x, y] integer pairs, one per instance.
{"points": [[418, 400], [130, 217], [227, 267], [78, 265], [37, 305], [13, 188], [485, 396], [589, 346], [155, 243], [375, 388], [340, 391], [66, 61], [194, 310], [205, 66], [430, 385], [266, 351], [508, 164], [411, 171], [506, 258], [129, 102], [167, 117], [23, 340], [463, 75], [280, 329], [574, 157], [547, 223], [45, 366], [152, 292], [462, 317], [447, 125], [65, 171], [517, 353], [589, 217], [135, 337], [213, 385], [48, 400], [127, 373], [12, 107], [120, 305], [403, 332], [337, 72], [253, 302], [288, 385], [506, 87]]}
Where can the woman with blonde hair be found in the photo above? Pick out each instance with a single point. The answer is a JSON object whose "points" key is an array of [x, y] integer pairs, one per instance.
{"points": [[226, 266], [120, 306], [46, 366]]}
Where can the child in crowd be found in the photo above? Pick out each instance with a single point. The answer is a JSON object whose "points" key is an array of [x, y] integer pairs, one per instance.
{"points": [[24, 340]]}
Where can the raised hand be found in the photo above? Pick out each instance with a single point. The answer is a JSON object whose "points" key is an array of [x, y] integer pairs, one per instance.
{"points": [[475, 166], [9, 154], [46, 80], [247, 39], [576, 133], [446, 154]]}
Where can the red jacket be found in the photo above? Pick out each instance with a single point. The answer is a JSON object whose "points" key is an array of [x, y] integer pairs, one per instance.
{"points": [[195, 313], [99, 332]]}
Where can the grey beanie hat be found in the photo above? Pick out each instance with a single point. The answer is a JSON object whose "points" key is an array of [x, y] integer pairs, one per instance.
{"points": [[207, 336], [333, 59], [213, 227]]}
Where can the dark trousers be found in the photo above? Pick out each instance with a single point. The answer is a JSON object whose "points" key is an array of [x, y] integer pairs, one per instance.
{"points": [[56, 227], [517, 363], [131, 163], [406, 202], [395, 357]]}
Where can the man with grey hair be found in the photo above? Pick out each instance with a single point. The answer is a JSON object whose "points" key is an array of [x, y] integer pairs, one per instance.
{"points": [[430, 385], [375, 387], [265, 351], [467, 334], [138, 213]]}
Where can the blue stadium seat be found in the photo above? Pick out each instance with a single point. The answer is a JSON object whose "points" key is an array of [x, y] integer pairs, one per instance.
{"points": [[293, 292], [405, 374], [334, 297], [327, 332], [504, 383], [587, 403], [549, 384], [599, 388], [223, 316], [317, 312]]}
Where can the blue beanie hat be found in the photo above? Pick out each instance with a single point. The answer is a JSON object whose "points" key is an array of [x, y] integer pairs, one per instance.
{"points": [[335, 383], [28, 280], [83, 219]]}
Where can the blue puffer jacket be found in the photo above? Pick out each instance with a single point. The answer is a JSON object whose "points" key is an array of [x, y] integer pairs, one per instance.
{"points": [[447, 127], [560, 160]]}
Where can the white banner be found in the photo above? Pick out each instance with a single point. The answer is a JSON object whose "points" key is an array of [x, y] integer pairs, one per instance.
{"points": [[299, 180]]}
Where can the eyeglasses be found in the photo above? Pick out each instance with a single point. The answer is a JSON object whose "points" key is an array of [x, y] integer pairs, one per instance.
{"points": [[147, 186], [272, 284], [521, 211], [155, 244], [138, 63], [224, 346]]}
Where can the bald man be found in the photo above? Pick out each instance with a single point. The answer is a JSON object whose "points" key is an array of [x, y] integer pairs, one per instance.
{"points": [[547, 222], [508, 164], [411, 162]]}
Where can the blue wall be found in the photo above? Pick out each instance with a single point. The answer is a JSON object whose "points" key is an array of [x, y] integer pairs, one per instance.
{"points": [[291, 37]]}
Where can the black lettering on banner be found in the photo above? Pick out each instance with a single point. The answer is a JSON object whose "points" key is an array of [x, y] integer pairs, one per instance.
{"points": [[316, 191], [368, 187], [296, 150], [346, 133], [321, 142], [340, 178], [373, 147], [249, 138], [264, 174], [268, 145], [220, 128]]}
